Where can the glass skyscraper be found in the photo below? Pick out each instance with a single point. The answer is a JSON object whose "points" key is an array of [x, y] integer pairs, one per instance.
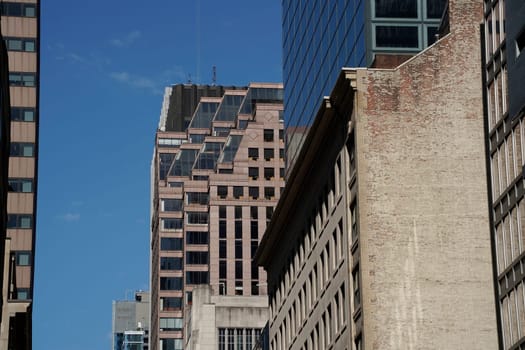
{"points": [[320, 37]]}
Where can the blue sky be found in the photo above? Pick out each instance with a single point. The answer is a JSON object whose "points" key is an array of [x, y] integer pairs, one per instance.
{"points": [[104, 65]]}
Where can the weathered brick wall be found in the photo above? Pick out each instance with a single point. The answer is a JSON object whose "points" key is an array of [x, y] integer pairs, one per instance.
{"points": [[422, 187]]}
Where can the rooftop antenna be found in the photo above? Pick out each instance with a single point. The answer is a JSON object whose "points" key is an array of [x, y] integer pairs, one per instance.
{"points": [[189, 78], [214, 76]]}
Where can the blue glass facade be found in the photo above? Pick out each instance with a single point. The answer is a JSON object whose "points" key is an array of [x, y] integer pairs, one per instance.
{"points": [[322, 36]]}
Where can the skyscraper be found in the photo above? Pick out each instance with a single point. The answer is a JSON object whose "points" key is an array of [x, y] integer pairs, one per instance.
{"points": [[390, 247], [504, 73], [320, 37], [21, 29], [214, 187], [130, 326]]}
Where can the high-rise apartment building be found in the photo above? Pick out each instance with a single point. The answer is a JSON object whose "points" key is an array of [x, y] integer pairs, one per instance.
{"points": [[504, 73], [320, 37], [130, 326], [20, 29], [390, 247], [214, 187]]}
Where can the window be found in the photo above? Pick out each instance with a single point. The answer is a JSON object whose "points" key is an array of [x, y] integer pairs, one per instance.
{"points": [[253, 153], [254, 212], [171, 244], [222, 191], [222, 249], [20, 44], [22, 79], [396, 9], [17, 9], [253, 173], [269, 192], [197, 218], [170, 303], [22, 149], [238, 192], [355, 282], [171, 283], [222, 269], [281, 153], [253, 192], [21, 114], [238, 269], [170, 324], [238, 249], [171, 204], [281, 134], [268, 135], [171, 344], [170, 263], [23, 258], [197, 198], [268, 153], [22, 294], [163, 142], [238, 287], [254, 229], [281, 174], [222, 228], [196, 237], [21, 185], [397, 36], [197, 277], [269, 173], [222, 212], [269, 213], [171, 224], [435, 8], [197, 258], [19, 221]]}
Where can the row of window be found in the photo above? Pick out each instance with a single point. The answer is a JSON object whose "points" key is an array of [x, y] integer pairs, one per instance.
{"points": [[497, 92], [238, 192], [21, 185], [193, 218], [17, 9], [323, 333], [20, 44], [494, 28], [170, 303], [171, 344], [238, 338], [507, 160], [513, 315], [253, 153], [19, 221], [22, 79], [171, 324], [408, 9], [510, 236], [192, 237], [269, 173], [22, 149], [22, 114]]}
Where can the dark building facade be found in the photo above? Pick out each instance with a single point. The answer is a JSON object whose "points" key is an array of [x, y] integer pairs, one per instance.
{"points": [[503, 76], [320, 37]]}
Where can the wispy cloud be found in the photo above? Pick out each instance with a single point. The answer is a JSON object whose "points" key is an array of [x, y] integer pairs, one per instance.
{"points": [[69, 217], [127, 40], [137, 81]]}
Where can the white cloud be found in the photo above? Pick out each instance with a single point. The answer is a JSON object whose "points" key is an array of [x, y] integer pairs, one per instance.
{"points": [[70, 217], [128, 40], [137, 81]]}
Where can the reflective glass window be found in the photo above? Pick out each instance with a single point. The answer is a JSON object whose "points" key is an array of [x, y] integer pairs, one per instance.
{"points": [[397, 36]]}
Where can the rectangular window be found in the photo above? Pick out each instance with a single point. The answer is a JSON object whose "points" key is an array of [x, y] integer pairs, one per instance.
{"points": [[222, 191], [171, 344], [253, 153], [20, 44], [222, 212], [170, 303], [396, 9], [238, 269], [222, 249], [171, 224], [197, 198], [281, 153], [170, 324], [254, 212], [16, 9], [281, 173], [222, 269], [21, 185], [268, 135], [269, 213], [22, 79], [238, 249], [238, 212], [171, 204], [197, 258], [435, 8], [397, 36], [22, 149], [268, 153], [197, 277], [171, 283], [355, 282], [22, 114], [19, 221], [22, 294], [196, 237], [164, 142], [171, 243], [253, 173], [253, 192], [281, 134], [254, 230], [238, 192], [23, 258], [269, 173], [269, 192], [170, 263], [222, 228], [197, 218]]}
